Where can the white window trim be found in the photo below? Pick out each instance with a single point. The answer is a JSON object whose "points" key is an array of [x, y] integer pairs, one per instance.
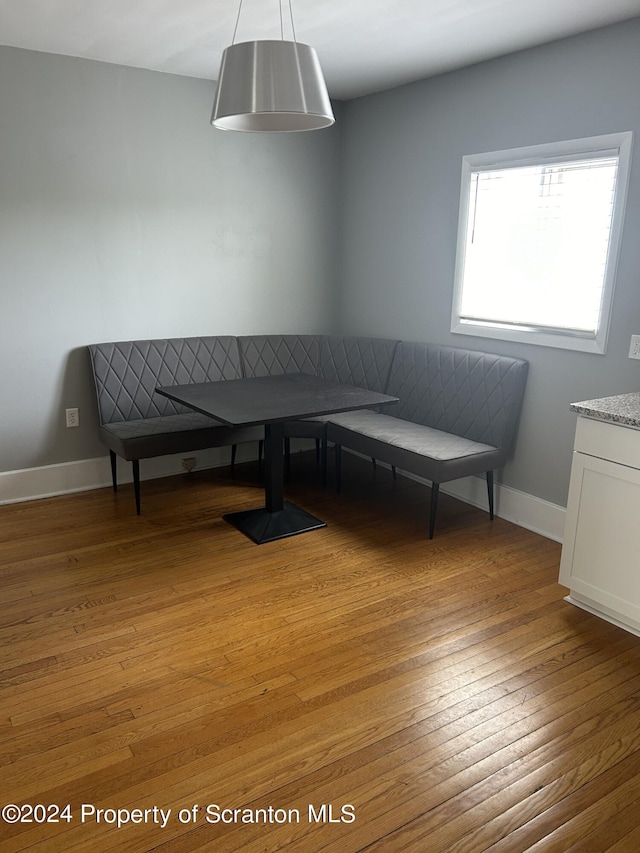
{"points": [[618, 143]]}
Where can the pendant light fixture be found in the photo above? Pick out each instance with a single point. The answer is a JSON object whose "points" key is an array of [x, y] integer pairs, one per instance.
{"points": [[271, 86]]}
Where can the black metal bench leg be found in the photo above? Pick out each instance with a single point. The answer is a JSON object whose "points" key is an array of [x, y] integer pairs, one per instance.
{"points": [[260, 452], [435, 488], [234, 450], [317, 451], [393, 471], [287, 459], [338, 451], [114, 470], [324, 462], [490, 492], [136, 483], [373, 462]]}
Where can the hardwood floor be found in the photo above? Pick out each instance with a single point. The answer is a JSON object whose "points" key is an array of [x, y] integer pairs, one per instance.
{"points": [[355, 688]]}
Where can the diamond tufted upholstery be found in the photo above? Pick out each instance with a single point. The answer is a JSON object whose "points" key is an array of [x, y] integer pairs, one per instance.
{"points": [[127, 373], [365, 362], [135, 422], [467, 393], [457, 415], [271, 355]]}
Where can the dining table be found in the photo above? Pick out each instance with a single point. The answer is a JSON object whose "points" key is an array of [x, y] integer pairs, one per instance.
{"points": [[272, 401]]}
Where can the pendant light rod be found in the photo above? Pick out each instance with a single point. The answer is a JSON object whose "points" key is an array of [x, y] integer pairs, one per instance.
{"points": [[293, 26], [235, 29]]}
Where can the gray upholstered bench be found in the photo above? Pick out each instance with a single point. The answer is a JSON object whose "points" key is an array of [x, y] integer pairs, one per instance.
{"points": [[457, 416], [136, 423]]}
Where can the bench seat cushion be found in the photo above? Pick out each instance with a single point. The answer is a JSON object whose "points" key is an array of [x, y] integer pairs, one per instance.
{"points": [[409, 436], [427, 452], [147, 437]]}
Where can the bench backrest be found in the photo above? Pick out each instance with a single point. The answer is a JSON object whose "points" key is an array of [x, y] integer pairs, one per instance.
{"points": [[126, 373], [351, 360], [472, 394], [272, 355], [364, 362]]}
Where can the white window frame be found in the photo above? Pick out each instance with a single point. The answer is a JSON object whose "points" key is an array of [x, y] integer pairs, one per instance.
{"points": [[619, 144]]}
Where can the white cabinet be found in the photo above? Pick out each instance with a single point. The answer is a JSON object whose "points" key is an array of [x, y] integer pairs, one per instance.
{"points": [[601, 553]]}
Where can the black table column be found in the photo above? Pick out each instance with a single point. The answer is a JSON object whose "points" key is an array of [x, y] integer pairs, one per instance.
{"points": [[278, 518], [274, 468]]}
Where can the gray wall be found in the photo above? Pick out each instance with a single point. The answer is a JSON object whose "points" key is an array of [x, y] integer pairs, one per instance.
{"points": [[123, 215], [402, 153]]}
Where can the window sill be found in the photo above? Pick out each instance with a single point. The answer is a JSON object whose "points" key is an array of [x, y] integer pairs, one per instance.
{"points": [[537, 338]]}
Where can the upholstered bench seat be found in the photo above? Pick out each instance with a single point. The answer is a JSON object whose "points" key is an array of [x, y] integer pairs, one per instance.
{"points": [[456, 416], [405, 435], [147, 437]]}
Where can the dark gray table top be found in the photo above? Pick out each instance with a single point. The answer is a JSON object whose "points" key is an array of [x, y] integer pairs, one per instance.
{"points": [[271, 399]]}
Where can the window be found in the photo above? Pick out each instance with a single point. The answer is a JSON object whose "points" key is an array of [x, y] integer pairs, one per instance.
{"points": [[538, 239]]}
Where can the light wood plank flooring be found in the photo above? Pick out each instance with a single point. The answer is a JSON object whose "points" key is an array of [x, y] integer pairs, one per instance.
{"points": [[354, 688]]}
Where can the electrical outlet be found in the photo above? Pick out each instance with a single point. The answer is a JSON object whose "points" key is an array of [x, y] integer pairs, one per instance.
{"points": [[189, 464], [634, 349], [73, 417]]}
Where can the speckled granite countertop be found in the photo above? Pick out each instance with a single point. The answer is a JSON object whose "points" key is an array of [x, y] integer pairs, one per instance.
{"points": [[623, 409]]}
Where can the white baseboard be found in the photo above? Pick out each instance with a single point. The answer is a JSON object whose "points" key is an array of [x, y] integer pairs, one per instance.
{"points": [[51, 480], [522, 509]]}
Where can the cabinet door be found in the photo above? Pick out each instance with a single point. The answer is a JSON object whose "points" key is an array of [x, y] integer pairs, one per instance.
{"points": [[601, 552]]}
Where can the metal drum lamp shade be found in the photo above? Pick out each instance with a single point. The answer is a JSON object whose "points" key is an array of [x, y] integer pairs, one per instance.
{"points": [[271, 87]]}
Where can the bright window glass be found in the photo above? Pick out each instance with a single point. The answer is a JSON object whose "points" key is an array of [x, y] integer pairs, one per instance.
{"points": [[538, 241]]}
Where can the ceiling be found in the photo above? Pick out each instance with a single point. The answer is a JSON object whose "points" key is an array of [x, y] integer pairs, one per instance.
{"points": [[364, 45]]}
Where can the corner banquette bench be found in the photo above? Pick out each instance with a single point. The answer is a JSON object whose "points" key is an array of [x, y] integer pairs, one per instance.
{"points": [[457, 415]]}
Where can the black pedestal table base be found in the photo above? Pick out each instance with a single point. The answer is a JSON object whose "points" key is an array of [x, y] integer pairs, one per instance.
{"points": [[262, 526], [278, 518]]}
